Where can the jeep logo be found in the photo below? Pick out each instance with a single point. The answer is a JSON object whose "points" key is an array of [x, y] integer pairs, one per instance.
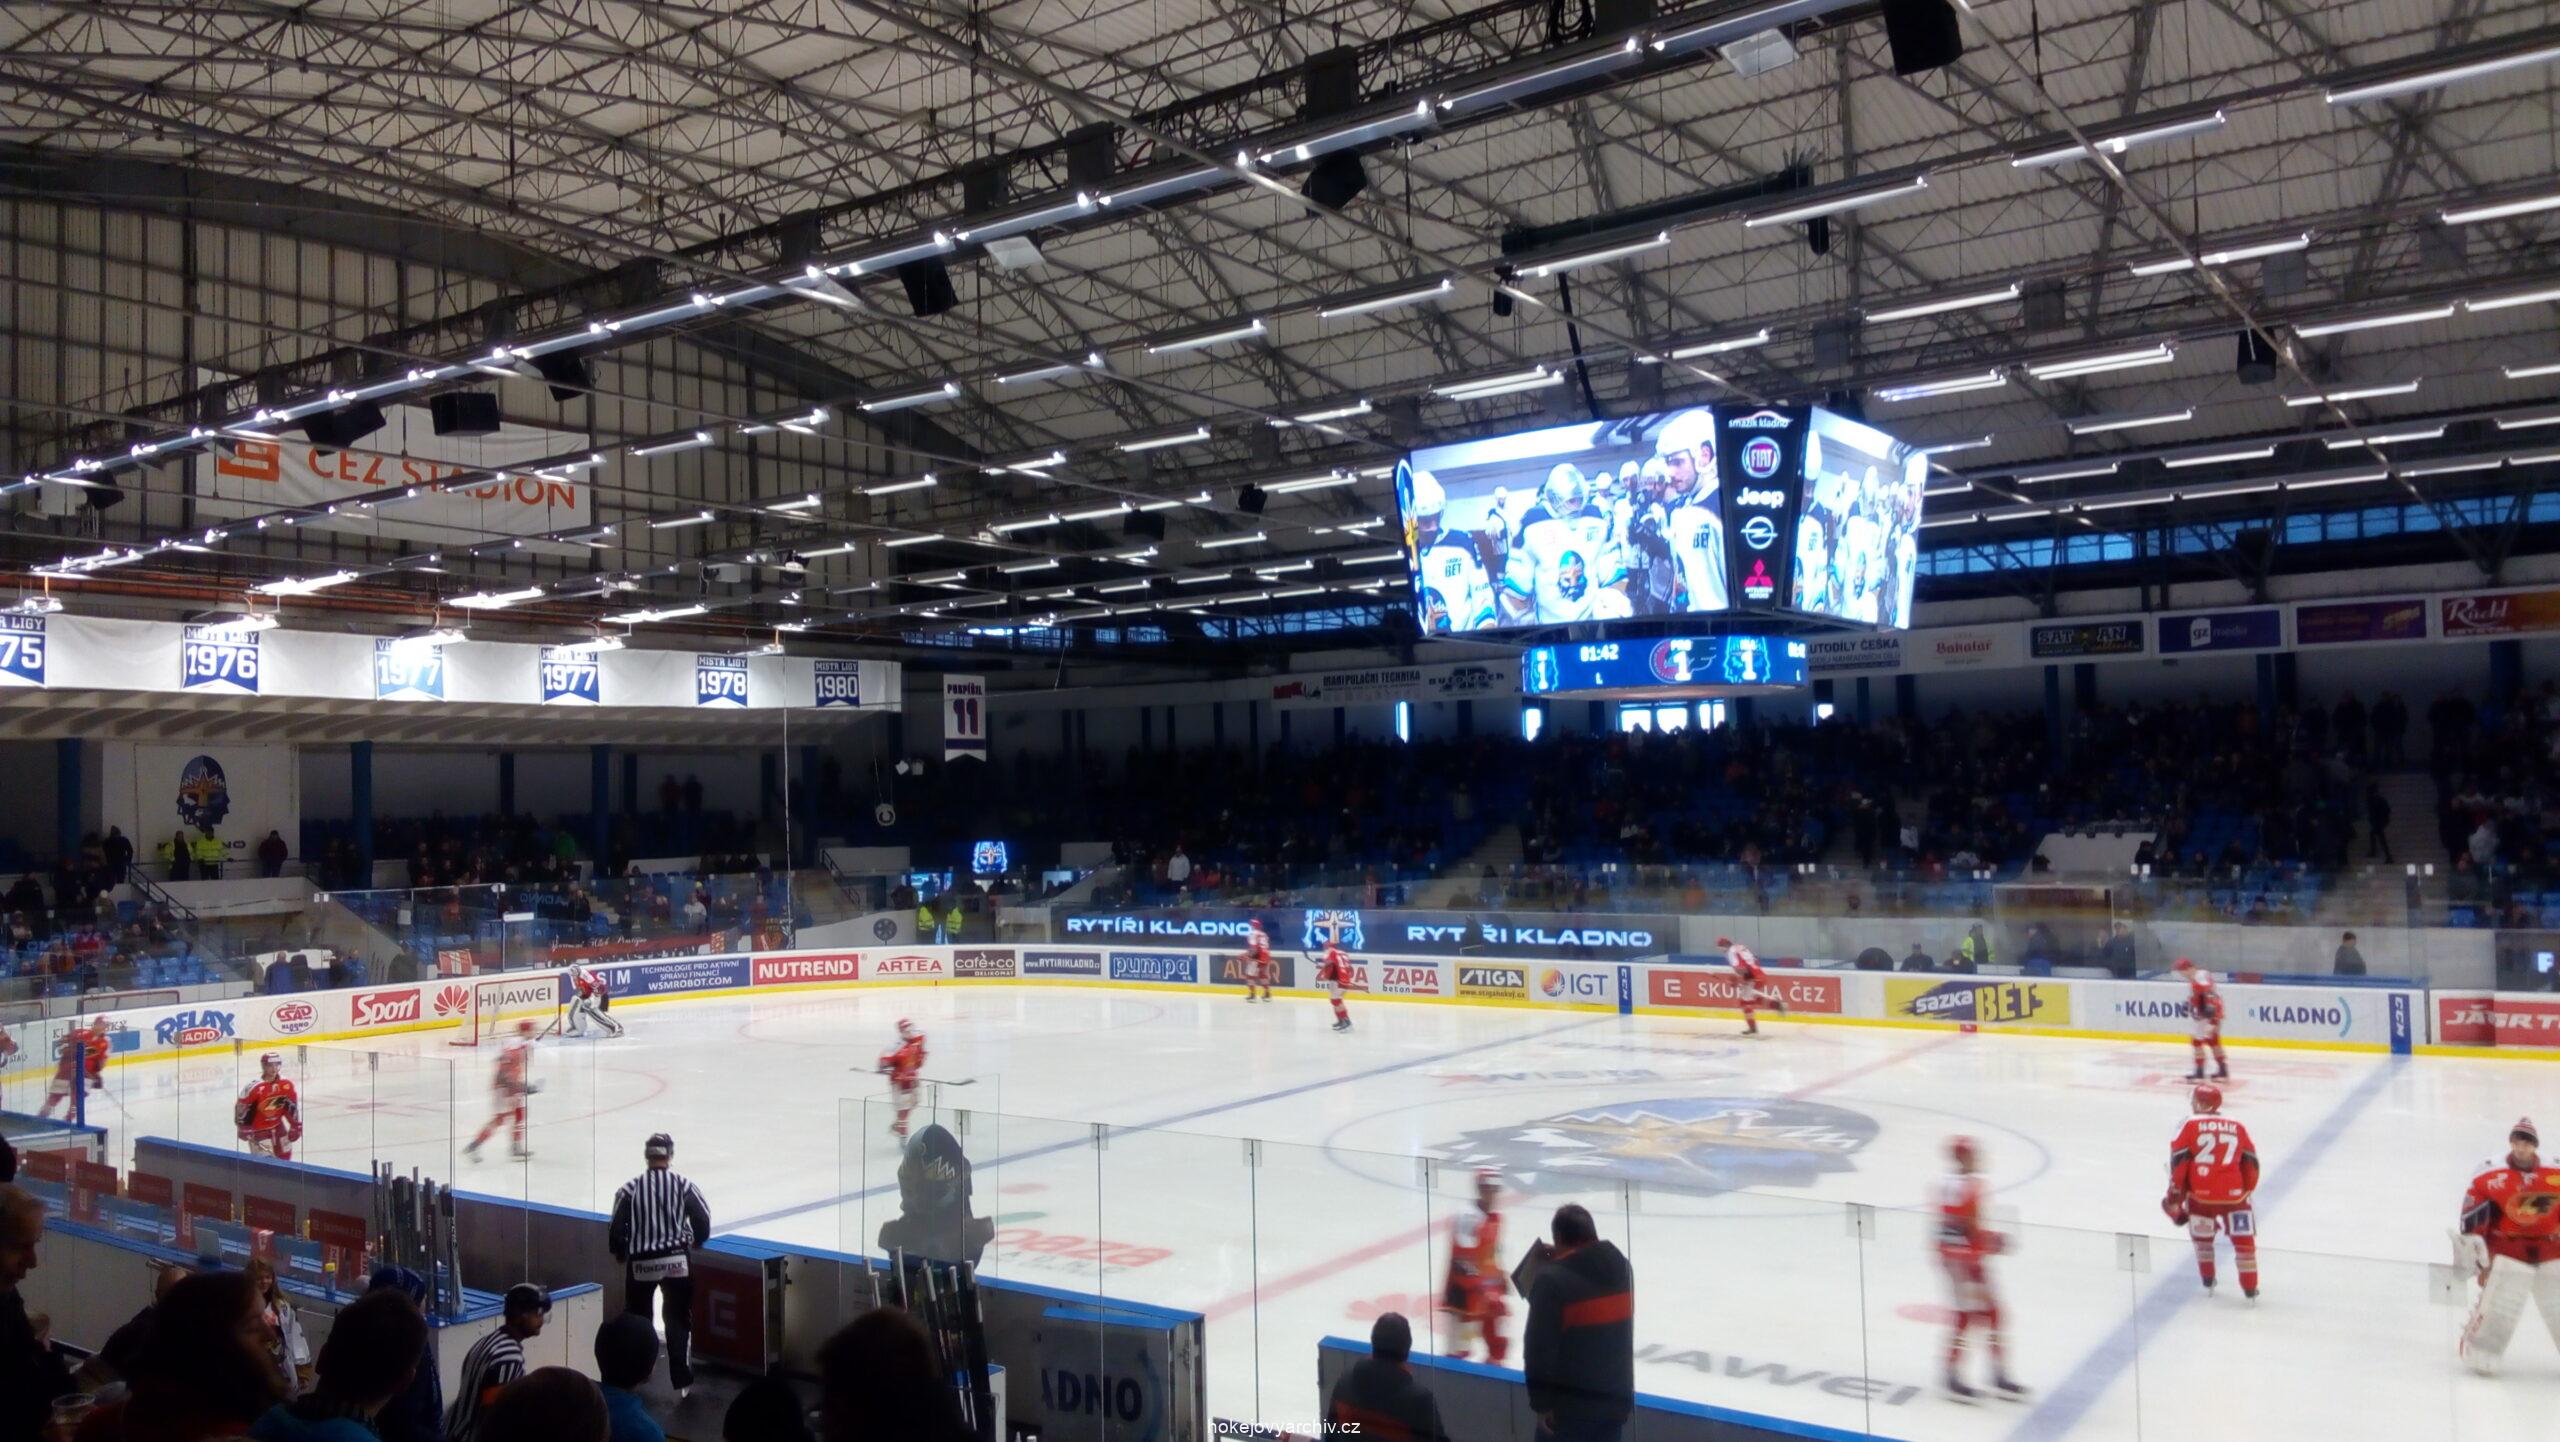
{"points": [[1771, 498]]}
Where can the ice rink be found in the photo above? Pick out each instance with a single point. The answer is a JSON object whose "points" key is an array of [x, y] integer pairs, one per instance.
{"points": [[1769, 1192]]}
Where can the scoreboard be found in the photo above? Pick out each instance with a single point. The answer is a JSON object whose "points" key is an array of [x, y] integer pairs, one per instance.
{"points": [[1682, 665]]}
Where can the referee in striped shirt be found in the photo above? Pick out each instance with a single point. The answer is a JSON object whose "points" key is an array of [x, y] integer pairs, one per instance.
{"points": [[496, 1360], [659, 1217]]}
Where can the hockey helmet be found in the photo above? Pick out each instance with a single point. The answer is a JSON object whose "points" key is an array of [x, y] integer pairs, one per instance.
{"points": [[1563, 491], [1690, 433], [1488, 1179], [906, 1027], [1965, 1152], [2183, 965], [659, 1147], [2206, 1097], [1725, 942], [2523, 1132], [1428, 498], [271, 1062], [524, 1028]]}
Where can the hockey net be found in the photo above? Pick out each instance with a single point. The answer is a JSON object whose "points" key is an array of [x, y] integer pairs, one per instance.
{"points": [[496, 1003]]}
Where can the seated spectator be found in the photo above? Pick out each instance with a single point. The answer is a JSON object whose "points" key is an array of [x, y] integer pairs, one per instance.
{"points": [[1875, 958], [417, 1414], [114, 1359], [547, 1404], [206, 1373], [1378, 1396], [626, 1353], [766, 1410], [2116, 953], [292, 1349], [31, 1373], [374, 1347], [1917, 960], [2350, 958], [878, 1382]]}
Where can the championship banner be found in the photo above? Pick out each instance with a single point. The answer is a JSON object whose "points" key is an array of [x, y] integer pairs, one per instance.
{"points": [[837, 683], [571, 678], [233, 792], [22, 650], [720, 681], [242, 478], [964, 718], [407, 671], [218, 658]]}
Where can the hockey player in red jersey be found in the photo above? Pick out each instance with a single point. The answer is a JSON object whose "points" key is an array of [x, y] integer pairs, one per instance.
{"points": [[2213, 1170], [1751, 982], [1965, 1246], [80, 1057], [513, 1082], [2204, 1007], [1476, 1286], [269, 1112], [2510, 1242], [1335, 972], [1259, 968], [903, 1065], [590, 999]]}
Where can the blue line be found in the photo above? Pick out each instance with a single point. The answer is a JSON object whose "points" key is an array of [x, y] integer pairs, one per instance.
{"points": [[1178, 1118], [2070, 1400]]}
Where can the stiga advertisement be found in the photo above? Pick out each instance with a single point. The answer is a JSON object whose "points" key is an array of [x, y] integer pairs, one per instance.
{"points": [[1507, 983], [1979, 1003]]}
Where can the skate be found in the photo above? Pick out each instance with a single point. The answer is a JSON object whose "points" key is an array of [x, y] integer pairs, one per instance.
{"points": [[1343, 1025], [471, 1152], [2208, 1285], [2222, 1073], [2249, 1294], [2196, 1075], [1957, 1391], [2009, 1391], [520, 1154]]}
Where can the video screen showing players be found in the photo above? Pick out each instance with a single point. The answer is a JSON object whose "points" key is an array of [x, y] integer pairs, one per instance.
{"points": [[1857, 537], [1589, 522]]}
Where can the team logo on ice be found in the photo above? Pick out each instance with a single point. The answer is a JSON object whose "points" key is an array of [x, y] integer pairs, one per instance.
{"points": [[1697, 1143], [1340, 927]]}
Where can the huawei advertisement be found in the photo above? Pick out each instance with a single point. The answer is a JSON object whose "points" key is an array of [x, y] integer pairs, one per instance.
{"points": [[1678, 513]]}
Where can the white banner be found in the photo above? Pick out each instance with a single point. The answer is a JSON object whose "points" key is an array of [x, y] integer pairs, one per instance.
{"points": [[244, 478], [1378, 685], [964, 717], [233, 791]]}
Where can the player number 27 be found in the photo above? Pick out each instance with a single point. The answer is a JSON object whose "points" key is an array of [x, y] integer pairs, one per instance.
{"points": [[2230, 1149]]}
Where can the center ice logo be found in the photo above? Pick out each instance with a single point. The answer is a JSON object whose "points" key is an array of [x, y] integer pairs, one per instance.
{"points": [[1709, 1144]]}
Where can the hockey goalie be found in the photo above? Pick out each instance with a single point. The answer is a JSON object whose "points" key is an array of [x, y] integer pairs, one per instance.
{"points": [[2510, 1242]]}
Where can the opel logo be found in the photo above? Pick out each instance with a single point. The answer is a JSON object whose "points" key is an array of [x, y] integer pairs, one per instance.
{"points": [[1760, 533]]}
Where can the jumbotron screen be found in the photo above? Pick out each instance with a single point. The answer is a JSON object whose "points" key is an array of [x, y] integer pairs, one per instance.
{"points": [[1675, 513], [1670, 665]]}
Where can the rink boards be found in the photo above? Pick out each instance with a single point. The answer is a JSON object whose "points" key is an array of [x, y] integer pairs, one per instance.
{"points": [[2330, 1017]]}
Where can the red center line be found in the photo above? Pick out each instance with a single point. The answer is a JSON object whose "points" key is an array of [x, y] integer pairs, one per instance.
{"points": [[1417, 1236]]}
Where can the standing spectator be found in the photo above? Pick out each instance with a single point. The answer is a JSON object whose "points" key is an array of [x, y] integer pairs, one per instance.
{"points": [[2377, 823], [1378, 1396], [766, 1410], [31, 1373], [549, 1404], [2390, 730], [496, 1360], [371, 1355], [952, 918], [626, 1353], [1579, 1352], [878, 1382], [417, 1414], [204, 1374], [292, 1349], [177, 858], [118, 851], [2116, 953], [693, 794], [2350, 960], [271, 854], [1177, 868], [658, 1219]]}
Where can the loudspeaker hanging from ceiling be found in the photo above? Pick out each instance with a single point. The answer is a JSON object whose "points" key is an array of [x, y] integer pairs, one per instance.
{"points": [[2257, 361], [464, 413], [1923, 35], [1335, 180], [336, 430], [928, 284], [569, 375]]}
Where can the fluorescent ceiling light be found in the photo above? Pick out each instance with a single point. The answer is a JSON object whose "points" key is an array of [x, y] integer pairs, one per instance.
{"points": [[1557, 265], [1388, 300], [680, 522], [946, 578], [1098, 512], [909, 400], [1543, 78], [2533, 458], [1373, 558], [1147, 192], [1958, 489], [2502, 209], [1946, 303], [2515, 298], [1249, 329], [304, 585], [1023, 568], [2317, 483], [1297, 591], [2096, 425], [1157, 443], [1029, 523], [1122, 588], [1368, 132], [2118, 142], [2229, 255], [2359, 393], [1719, 347], [2240, 488], [2528, 372], [2452, 468], [1223, 542], [426, 636], [1948, 448], [822, 553], [241, 623], [497, 600], [2090, 365], [2430, 79], [2215, 458], [2342, 443], [1309, 483], [594, 644], [1204, 580], [2065, 473], [1535, 378], [1290, 569], [1138, 557], [809, 502], [694, 442], [1337, 413], [1834, 204], [1201, 499], [2374, 321], [1052, 213], [642, 618], [1092, 362], [2528, 420], [894, 542], [925, 482], [935, 244], [1032, 465], [815, 284], [1956, 386]]}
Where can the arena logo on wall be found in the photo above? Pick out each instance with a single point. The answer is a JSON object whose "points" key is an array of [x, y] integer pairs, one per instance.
{"points": [[802, 970], [1720, 991], [1979, 1003], [1062, 963], [1712, 1144], [1155, 966], [991, 963]]}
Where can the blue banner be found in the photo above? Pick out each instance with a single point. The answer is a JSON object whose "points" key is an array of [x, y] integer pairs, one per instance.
{"points": [[1532, 936], [839, 683], [571, 678], [21, 650], [720, 681], [1155, 966], [218, 658], [2258, 630], [659, 978], [407, 672]]}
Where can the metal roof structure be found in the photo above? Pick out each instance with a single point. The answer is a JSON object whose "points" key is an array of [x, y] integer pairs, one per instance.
{"points": [[689, 235]]}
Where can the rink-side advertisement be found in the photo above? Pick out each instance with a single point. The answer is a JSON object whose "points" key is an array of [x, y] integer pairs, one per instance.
{"points": [[1422, 933]]}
